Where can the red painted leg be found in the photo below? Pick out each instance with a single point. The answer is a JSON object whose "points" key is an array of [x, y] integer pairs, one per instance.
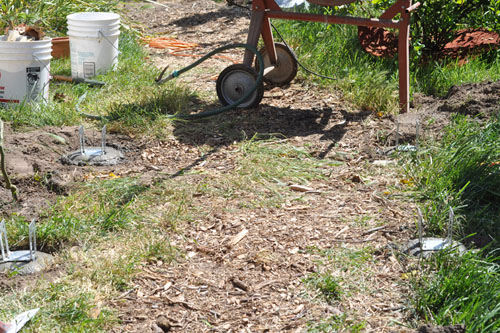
{"points": [[253, 35], [267, 36]]}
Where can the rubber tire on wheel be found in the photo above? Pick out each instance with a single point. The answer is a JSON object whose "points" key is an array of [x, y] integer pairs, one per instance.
{"points": [[235, 82], [286, 67]]}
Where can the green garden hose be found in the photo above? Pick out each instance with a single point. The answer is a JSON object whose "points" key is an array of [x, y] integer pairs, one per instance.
{"points": [[177, 73], [214, 112]]}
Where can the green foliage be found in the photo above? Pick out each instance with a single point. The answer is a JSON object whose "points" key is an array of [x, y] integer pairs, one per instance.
{"points": [[334, 50], [436, 22], [337, 323], [461, 290], [327, 286], [51, 15], [98, 208], [462, 172]]}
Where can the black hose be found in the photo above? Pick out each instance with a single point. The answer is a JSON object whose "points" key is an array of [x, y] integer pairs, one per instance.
{"points": [[214, 112], [297, 60], [175, 74], [88, 115]]}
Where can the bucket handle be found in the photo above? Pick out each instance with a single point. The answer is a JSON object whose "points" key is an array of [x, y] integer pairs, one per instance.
{"points": [[99, 32], [46, 83]]}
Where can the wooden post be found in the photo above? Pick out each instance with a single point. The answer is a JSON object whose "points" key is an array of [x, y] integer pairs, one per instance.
{"points": [[404, 58]]}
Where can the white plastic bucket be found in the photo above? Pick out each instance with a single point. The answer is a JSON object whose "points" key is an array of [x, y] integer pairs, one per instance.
{"points": [[24, 70], [93, 42]]}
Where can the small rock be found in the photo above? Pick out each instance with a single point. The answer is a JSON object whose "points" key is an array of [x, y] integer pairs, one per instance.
{"points": [[163, 324], [58, 185], [383, 162], [42, 262], [155, 328], [356, 179]]}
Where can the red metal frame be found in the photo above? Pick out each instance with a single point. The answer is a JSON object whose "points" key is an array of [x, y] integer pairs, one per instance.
{"points": [[263, 10]]}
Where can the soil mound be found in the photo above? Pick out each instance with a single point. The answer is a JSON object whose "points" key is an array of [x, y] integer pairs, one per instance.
{"points": [[378, 42], [471, 42], [383, 43]]}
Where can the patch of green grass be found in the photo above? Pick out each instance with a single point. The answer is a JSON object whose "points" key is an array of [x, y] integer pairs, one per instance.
{"points": [[437, 77], [131, 98], [92, 228], [333, 50], [76, 313], [326, 285], [461, 290], [265, 161], [369, 82], [62, 309], [94, 210], [461, 172], [272, 167], [337, 323]]}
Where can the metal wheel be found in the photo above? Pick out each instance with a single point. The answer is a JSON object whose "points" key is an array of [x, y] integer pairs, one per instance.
{"points": [[286, 67], [235, 82]]}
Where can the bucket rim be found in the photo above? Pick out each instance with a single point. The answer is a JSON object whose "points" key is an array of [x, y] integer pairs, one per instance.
{"points": [[38, 43], [36, 52], [86, 34], [95, 16], [95, 26], [93, 30], [60, 39], [25, 58]]}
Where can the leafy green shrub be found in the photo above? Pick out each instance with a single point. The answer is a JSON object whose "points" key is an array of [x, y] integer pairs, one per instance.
{"points": [[436, 22]]}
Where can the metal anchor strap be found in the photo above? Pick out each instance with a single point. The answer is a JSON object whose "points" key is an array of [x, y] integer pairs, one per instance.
{"points": [[4, 243]]}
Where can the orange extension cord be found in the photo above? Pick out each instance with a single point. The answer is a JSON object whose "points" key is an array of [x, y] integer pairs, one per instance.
{"points": [[176, 46]]}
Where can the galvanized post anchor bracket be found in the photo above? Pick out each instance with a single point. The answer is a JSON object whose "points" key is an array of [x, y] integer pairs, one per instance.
{"points": [[17, 256]]}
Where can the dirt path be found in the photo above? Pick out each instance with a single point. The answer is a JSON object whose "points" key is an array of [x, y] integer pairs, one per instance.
{"points": [[259, 283]]}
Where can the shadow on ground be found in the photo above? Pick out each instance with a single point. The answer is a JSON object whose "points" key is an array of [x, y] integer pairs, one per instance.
{"points": [[265, 122], [228, 13]]}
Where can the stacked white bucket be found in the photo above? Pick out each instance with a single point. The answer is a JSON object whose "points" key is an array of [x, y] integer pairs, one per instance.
{"points": [[24, 70], [93, 42]]}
